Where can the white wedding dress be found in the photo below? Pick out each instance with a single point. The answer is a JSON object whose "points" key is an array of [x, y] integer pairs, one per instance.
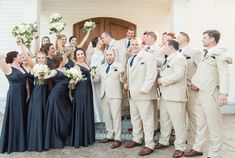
{"points": [[97, 58]]}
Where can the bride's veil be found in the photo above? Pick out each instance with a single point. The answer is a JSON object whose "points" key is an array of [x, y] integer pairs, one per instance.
{"points": [[89, 52]]}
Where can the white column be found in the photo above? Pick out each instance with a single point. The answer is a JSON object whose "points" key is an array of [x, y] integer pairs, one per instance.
{"points": [[32, 9], [178, 11]]}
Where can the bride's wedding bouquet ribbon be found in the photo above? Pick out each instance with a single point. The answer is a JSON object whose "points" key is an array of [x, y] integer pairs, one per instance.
{"points": [[56, 24], [89, 25], [24, 33], [74, 74], [40, 71]]}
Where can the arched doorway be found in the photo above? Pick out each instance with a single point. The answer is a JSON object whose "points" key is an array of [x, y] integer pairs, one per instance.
{"points": [[117, 27]]}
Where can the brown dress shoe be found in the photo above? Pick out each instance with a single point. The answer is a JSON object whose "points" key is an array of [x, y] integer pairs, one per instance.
{"points": [[192, 153], [105, 140], [160, 146], [178, 154], [145, 151], [132, 144], [116, 144]]}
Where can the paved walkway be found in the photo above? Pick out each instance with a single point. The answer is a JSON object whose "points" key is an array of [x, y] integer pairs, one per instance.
{"points": [[104, 151]]}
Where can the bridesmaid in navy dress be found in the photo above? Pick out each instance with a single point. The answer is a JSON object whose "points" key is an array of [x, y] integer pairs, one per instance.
{"points": [[83, 127], [59, 108], [50, 51], [13, 135], [36, 113]]}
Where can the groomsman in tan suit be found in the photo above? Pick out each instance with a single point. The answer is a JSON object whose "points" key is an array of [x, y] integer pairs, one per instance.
{"points": [[111, 43], [141, 77], [152, 48], [159, 56], [110, 75], [173, 84], [193, 58], [125, 43], [212, 81]]}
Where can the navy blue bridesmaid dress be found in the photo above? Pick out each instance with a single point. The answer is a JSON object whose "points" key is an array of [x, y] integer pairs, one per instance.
{"points": [[13, 135], [58, 114], [36, 117], [83, 126]]}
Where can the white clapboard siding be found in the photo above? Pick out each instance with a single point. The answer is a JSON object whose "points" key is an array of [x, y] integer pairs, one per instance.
{"points": [[214, 14], [11, 13], [147, 15]]}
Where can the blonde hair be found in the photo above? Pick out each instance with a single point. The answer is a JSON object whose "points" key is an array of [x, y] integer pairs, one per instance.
{"points": [[41, 53]]}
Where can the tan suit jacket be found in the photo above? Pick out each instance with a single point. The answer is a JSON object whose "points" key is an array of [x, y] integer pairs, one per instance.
{"points": [[213, 72], [141, 76], [120, 51], [173, 78], [193, 58], [111, 86], [157, 53]]}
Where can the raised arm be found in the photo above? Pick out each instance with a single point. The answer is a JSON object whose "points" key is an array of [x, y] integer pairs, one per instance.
{"points": [[59, 46], [25, 53], [4, 66], [36, 43], [80, 45], [51, 75]]}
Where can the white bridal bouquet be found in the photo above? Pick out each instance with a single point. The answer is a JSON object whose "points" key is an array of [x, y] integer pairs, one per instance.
{"points": [[40, 71], [89, 25], [74, 74], [56, 25], [94, 69], [24, 33]]}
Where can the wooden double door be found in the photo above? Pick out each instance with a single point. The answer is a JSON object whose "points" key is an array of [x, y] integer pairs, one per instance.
{"points": [[117, 27]]}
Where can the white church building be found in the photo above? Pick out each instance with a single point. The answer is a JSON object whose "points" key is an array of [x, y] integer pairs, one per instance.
{"points": [[191, 16]]}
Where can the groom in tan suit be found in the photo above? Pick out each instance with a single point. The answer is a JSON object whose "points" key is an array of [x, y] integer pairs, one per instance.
{"points": [[141, 77], [110, 75], [193, 59], [211, 80], [173, 85], [111, 43]]}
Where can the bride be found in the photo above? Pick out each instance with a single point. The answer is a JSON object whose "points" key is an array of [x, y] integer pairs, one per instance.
{"points": [[96, 58]]}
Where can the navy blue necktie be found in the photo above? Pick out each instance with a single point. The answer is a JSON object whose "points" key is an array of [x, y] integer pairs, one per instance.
{"points": [[205, 52], [128, 44], [107, 69], [165, 61], [132, 60]]}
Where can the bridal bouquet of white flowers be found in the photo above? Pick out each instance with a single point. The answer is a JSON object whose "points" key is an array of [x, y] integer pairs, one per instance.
{"points": [[89, 25], [40, 71], [24, 33], [75, 75], [56, 25], [94, 69]]}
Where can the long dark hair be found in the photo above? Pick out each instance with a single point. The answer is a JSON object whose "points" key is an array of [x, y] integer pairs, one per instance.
{"points": [[70, 38], [56, 60], [10, 56], [94, 41], [75, 53], [46, 48]]}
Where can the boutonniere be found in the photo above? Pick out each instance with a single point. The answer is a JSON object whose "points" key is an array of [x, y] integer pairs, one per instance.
{"points": [[114, 67]]}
